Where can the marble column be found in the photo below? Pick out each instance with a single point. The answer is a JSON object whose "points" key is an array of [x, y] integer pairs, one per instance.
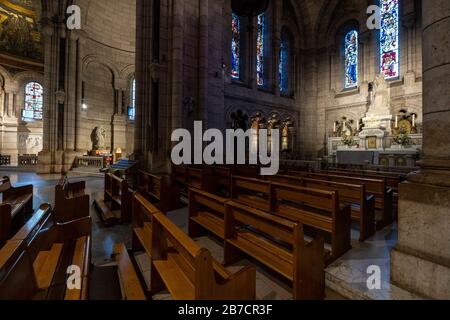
{"points": [[421, 260]]}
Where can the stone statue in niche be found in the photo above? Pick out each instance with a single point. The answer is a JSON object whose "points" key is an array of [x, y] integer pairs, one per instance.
{"points": [[98, 138]]}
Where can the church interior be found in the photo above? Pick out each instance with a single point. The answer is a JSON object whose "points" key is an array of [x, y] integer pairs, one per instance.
{"points": [[353, 94]]}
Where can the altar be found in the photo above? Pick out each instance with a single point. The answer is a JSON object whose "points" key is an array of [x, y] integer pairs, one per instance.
{"points": [[386, 158], [379, 138]]}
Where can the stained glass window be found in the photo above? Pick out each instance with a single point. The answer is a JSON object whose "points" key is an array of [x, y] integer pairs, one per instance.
{"points": [[34, 101], [235, 47], [283, 69], [260, 44], [132, 107], [389, 38], [351, 59]]}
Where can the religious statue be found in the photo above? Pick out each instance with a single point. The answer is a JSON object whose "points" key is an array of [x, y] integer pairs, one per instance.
{"points": [[379, 104], [256, 121], [98, 138]]}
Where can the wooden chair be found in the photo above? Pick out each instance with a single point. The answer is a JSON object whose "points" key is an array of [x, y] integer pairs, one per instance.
{"points": [[71, 202], [362, 204], [189, 272], [17, 203], [34, 263], [159, 190], [376, 187], [315, 208], [278, 244]]}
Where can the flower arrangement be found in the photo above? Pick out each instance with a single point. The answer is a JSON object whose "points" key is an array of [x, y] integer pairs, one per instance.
{"points": [[402, 139], [348, 141]]}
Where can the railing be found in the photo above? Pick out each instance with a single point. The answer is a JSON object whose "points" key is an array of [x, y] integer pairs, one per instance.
{"points": [[5, 160], [89, 162], [28, 160]]}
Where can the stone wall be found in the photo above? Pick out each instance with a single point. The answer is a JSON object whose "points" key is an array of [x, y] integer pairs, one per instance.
{"points": [[16, 135]]}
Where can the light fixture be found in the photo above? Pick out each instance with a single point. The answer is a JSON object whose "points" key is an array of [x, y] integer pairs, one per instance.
{"points": [[84, 106]]}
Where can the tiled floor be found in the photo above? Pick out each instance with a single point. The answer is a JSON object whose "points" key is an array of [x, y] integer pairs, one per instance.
{"points": [[347, 276]]}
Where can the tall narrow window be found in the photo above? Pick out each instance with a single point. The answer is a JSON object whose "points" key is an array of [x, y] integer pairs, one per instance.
{"points": [[34, 101], [283, 69], [260, 48], [351, 59], [132, 107], [236, 47], [389, 39]]}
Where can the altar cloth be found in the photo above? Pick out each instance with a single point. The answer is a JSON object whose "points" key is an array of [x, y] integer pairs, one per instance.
{"points": [[357, 157]]}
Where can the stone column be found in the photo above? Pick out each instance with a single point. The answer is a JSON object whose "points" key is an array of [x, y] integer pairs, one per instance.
{"points": [[421, 260]]}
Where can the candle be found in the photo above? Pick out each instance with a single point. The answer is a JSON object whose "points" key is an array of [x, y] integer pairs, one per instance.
{"points": [[396, 122], [334, 129], [357, 126], [414, 120]]}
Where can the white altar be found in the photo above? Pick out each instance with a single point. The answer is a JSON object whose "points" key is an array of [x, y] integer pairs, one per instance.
{"points": [[381, 139]]}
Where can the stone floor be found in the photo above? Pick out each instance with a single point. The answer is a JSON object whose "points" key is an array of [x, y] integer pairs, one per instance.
{"points": [[346, 278]]}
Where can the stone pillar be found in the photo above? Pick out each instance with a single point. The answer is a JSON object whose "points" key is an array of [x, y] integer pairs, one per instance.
{"points": [[421, 260]]}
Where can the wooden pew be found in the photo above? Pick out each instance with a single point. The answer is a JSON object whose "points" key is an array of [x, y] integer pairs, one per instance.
{"points": [[117, 197], [377, 187], [189, 272], [278, 244], [222, 179], [17, 203], [206, 211], [199, 177], [159, 190], [130, 285], [143, 212], [315, 208], [362, 204], [71, 202], [392, 179], [34, 263]]}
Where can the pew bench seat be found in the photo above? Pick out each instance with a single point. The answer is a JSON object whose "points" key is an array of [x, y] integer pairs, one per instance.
{"points": [[144, 236], [18, 203], [277, 243], [189, 272], [45, 265], [210, 222], [130, 284], [274, 257]]}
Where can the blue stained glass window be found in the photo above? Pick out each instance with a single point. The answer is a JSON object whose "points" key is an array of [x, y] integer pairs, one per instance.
{"points": [[283, 69], [34, 101], [389, 38], [351, 59], [260, 44], [235, 47], [132, 107]]}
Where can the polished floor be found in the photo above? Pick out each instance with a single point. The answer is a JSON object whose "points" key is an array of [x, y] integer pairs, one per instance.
{"points": [[347, 276]]}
